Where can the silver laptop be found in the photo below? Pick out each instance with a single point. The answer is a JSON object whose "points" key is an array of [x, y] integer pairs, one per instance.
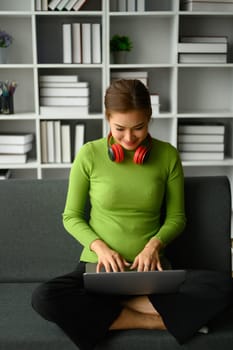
{"points": [[134, 282]]}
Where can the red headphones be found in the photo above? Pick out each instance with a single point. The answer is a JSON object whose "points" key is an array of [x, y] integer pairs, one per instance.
{"points": [[116, 152]]}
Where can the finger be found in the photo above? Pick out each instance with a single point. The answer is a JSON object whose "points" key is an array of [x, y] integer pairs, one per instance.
{"points": [[159, 266]]}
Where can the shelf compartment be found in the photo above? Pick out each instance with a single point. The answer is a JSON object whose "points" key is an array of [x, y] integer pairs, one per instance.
{"points": [[202, 90], [212, 25], [93, 76], [163, 129], [49, 30], [12, 5], [159, 34], [24, 93], [20, 51], [150, 5]]}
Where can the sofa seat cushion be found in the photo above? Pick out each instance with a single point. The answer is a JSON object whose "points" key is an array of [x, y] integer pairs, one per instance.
{"points": [[21, 327]]}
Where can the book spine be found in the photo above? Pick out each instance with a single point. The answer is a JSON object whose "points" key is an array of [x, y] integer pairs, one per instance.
{"points": [[78, 4], [67, 43], [66, 143], [86, 43], [96, 43], [44, 144], [77, 43]]}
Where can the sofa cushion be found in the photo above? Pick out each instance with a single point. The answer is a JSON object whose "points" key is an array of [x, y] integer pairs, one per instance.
{"points": [[22, 328]]}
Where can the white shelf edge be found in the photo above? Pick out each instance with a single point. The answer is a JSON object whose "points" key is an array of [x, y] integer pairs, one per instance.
{"points": [[143, 14], [71, 65], [55, 165], [68, 13], [205, 13], [144, 66], [223, 163], [69, 117], [30, 164], [209, 114], [18, 116]]}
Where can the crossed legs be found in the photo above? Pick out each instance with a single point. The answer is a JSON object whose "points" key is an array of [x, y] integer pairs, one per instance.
{"points": [[138, 312]]}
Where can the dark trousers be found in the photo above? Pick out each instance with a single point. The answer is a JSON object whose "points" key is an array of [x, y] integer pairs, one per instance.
{"points": [[86, 317]]}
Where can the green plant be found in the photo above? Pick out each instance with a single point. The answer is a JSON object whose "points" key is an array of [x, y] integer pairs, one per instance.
{"points": [[120, 43], [5, 39]]}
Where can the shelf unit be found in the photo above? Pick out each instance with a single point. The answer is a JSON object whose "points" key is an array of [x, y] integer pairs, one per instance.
{"points": [[188, 92]]}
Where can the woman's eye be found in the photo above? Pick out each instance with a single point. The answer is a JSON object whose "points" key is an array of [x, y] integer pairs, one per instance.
{"points": [[119, 129]]}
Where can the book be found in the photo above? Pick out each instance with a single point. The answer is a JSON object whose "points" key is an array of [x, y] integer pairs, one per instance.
{"points": [[86, 42], [53, 91], [140, 75], [57, 141], [204, 39], [66, 143], [44, 5], [201, 147], [122, 5], [64, 111], [196, 138], [96, 43], [53, 4], [13, 158], [67, 43], [201, 155], [76, 43], [62, 4], [50, 141], [131, 5], [43, 141], [79, 137], [15, 139], [38, 5], [203, 58], [78, 4], [59, 78], [208, 6], [62, 85], [17, 149], [70, 4], [201, 129], [141, 5], [64, 101], [202, 47]]}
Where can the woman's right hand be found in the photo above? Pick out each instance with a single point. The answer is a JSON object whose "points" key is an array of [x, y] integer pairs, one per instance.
{"points": [[107, 257]]}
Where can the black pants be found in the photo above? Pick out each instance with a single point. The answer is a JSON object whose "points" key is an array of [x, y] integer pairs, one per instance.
{"points": [[86, 317]]}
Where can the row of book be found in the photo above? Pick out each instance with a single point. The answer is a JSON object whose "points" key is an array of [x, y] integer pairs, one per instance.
{"points": [[201, 142], [56, 141], [81, 43], [67, 5], [130, 5], [63, 94], [14, 148], [203, 49], [208, 5]]}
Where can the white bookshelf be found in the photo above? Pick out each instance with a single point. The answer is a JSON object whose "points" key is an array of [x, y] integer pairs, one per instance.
{"points": [[188, 92]]}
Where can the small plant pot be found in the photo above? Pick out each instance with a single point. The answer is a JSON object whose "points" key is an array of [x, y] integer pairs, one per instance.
{"points": [[119, 57]]}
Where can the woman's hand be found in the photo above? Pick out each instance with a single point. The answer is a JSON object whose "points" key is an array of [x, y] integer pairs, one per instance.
{"points": [[108, 258], [148, 258]]}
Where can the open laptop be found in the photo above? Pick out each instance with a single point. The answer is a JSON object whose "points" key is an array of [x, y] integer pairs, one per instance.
{"points": [[133, 282]]}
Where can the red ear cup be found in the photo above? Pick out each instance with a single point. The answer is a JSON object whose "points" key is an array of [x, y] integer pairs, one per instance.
{"points": [[140, 155], [116, 153]]}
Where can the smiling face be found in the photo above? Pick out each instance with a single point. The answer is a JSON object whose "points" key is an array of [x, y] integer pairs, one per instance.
{"points": [[129, 129]]}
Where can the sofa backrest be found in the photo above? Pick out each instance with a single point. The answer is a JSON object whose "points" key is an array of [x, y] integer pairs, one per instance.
{"points": [[34, 246], [206, 240]]}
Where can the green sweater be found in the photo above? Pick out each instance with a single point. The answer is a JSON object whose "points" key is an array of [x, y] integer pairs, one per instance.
{"points": [[126, 199]]}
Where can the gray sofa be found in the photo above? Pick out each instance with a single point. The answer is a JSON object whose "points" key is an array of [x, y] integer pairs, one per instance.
{"points": [[35, 247]]}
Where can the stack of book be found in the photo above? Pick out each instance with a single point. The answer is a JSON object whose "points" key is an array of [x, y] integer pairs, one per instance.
{"points": [[56, 141], [130, 5], [68, 5], [14, 148], [203, 49], [63, 95], [208, 5], [201, 142], [81, 43], [140, 75]]}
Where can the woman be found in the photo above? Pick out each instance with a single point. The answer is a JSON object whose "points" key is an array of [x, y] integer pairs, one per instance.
{"points": [[127, 176]]}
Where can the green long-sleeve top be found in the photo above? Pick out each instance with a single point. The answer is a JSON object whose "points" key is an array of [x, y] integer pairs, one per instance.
{"points": [[125, 198]]}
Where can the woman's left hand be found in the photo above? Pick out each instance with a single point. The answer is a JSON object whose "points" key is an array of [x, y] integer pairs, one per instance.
{"points": [[148, 259]]}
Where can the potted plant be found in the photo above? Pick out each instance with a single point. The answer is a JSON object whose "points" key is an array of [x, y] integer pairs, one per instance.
{"points": [[5, 41], [119, 46]]}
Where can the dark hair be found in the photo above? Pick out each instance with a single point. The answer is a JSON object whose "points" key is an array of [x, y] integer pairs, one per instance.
{"points": [[126, 95]]}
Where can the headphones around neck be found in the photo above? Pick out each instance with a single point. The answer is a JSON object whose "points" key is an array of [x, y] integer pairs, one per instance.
{"points": [[141, 154]]}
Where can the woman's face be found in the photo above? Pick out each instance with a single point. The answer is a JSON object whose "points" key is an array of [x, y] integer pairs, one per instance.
{"points": [[129, 129]]}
